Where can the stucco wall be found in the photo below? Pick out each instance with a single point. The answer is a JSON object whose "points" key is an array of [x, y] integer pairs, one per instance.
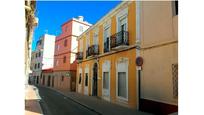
{"points": [[159, 42]]}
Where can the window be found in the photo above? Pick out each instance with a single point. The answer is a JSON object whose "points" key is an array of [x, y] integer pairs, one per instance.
{"points": [[123, 24], [95, 38], [65, 43], [39, 42], [175, 8], [58, 47], [62, 78], [122, 89], [39, 54], [175, 80], [81, 28], [64, 59], [86, 80], [38, 65], [81, 45], [106, 39], [105, 80], [57, 63], [35, 66], [80, 78], [122, 20], [66, 29]]}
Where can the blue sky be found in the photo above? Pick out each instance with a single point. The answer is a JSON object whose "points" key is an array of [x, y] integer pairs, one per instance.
{"points": [[52, 14]]}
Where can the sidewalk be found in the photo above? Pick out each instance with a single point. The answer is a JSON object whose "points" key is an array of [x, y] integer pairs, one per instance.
{"points": [[32, 105], [101, 106]]}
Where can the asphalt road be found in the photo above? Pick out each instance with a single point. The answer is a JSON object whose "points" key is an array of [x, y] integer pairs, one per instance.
{"points": [[54, 103]]}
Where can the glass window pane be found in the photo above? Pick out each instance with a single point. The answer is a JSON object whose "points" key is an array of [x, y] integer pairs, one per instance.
{"points": [[105, 80], [122, 89]]}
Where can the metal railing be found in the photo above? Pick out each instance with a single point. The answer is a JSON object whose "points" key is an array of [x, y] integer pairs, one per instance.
{"points": [[120, 38], [79, 56], [92, 50]]}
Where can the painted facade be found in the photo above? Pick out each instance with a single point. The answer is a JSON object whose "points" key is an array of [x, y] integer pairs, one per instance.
{"points": [[64, 57], [159, 49], [107, 52], [106, 57], [43, 56]]}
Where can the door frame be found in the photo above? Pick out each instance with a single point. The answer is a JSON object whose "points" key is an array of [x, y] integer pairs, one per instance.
{"points": [[86, 88], [79, 86], [106, 68], [96, 80]]}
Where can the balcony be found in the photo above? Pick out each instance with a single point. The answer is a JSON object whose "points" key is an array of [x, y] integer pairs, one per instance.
{"points": [[92, 51], [79, 56], [119, 40]]}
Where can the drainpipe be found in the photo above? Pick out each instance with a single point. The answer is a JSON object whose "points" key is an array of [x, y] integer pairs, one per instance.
{"points": [[138, 43]]}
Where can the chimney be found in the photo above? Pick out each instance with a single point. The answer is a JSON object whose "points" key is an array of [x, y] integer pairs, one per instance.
{"points": [[80, 18]]}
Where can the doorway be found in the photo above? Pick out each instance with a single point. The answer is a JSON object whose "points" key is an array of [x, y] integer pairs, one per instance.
{"points": [[95, 78], [48, 81], [37, 79], [52, 81], [43, 79]]}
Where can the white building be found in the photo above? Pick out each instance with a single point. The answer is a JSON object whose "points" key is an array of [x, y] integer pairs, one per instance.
{"points": [[43, 56]]}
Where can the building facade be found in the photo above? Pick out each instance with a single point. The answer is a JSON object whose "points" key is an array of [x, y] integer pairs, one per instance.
{"points": [[159, 50], [43, 56], [30, 22], [106, 58], [107, 53], [64, 57], [47, 78]]}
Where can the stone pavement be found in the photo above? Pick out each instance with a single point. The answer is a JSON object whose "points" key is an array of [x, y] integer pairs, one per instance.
{"points": [[101, 106], [32, 98]]}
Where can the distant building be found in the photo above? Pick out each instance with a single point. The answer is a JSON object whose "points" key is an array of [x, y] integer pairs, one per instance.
{"points": [[43, 56], [65, 49], [47, 77]]}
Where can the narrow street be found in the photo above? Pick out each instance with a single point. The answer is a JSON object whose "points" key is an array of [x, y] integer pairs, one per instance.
{"points": [[57, 104]]}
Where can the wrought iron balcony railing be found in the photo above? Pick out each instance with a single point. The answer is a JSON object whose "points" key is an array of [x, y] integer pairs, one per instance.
{"points": [[79, 56], [119, 39], [92, 50]]}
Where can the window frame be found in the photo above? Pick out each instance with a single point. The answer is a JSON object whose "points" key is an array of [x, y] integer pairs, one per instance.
{"points": [[65, 43], [38, 65], [62, 78], [122, 66], [64, 59], [122, 14]]}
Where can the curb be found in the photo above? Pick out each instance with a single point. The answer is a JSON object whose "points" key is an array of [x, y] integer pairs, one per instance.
{"points": [[39, 98], [74, 100]]}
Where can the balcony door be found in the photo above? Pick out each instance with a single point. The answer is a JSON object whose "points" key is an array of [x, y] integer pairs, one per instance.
{"points": [[106, 39]]}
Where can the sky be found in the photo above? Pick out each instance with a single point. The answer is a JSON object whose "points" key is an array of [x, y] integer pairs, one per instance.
{"points": [[52, 14]]}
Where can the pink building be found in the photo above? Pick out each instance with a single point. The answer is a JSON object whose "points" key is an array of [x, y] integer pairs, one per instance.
{"points": [[64, 56]]}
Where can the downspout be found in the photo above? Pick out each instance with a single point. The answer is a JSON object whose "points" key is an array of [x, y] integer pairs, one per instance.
{"points": [[138, 42]]}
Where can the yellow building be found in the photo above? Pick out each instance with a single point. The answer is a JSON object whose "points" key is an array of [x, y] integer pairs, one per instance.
{"points": [[106, 59], [107, 54]]}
